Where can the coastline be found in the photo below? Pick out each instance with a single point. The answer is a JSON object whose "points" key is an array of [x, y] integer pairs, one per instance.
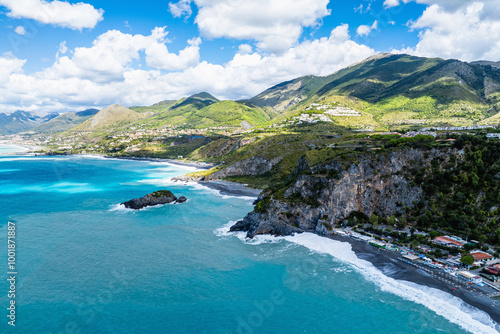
{"points": [[224, 187], [199, 165], [231, 188], [386, 261], [25, 149]]}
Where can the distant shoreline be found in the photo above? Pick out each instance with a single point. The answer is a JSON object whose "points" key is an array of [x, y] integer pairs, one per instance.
{"points": [[384, 259], [224, 187], [199, 165]]}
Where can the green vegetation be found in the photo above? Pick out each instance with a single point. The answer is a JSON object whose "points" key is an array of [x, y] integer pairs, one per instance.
{"points": [[114, 116], [467, 259], [162, 193], [463, 191]]}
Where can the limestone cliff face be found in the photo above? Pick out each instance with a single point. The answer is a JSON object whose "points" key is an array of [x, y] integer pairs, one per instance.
{"points": [[252, 166], [324, 195]]}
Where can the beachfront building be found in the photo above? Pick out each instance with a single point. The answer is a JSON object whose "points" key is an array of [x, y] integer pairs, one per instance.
{"points": [[469, 277], [449, 241], [495, 270], [483, 258]]}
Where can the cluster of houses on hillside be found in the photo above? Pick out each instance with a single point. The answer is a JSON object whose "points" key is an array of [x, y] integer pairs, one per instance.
{"points": [[334, 111], [459, 128], [314, 118]]}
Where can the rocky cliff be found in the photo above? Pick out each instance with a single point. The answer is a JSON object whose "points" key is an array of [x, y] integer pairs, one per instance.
{"points": [[319, 197], [252, 166]]}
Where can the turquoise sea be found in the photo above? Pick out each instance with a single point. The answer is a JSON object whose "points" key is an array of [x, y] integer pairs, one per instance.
{"points": [[5, 149], [87, 265]]}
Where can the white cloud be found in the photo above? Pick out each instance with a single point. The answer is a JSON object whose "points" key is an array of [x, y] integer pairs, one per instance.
{"points": [[8, 66], [275, 25], [391, 3], [102, 74], [446, 4], [113, 52], [74, 16], [181, 8], [63, 48], [20, 30], [244, 49], [365, 30], [467, 30]]}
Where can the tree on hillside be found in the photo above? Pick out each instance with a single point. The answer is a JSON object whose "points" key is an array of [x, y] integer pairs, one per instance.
{"points": [[467, 259], [401, 223]]}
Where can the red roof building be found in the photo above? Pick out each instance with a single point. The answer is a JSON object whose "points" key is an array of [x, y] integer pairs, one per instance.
{"points": [[481, 256], [449, 241]]}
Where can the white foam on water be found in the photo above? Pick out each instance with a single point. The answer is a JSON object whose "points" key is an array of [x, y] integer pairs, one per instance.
{"points": [[119, 208], [224, 230], [201, 187], [257, 240], [444, 304], [93, 156]]}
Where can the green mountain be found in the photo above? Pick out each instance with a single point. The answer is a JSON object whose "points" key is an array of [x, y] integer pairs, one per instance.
{"points": [[396, 89], [66, 121], [283, 96], [203, 110], [111, 117]]}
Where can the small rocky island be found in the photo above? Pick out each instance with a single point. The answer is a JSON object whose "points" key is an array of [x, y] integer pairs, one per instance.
{"points": [[155, 198]]}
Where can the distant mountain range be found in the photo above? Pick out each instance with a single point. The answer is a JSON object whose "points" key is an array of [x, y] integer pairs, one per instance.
{"points": [[21, 121], [65, 121], [385, 89]]}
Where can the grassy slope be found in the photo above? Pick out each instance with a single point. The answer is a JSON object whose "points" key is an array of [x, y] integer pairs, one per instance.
{"points": [[203, 113], [110, 118]]}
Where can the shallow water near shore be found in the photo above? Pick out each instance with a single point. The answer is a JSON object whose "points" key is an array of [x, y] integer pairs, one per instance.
{"points": [[6, 149], [87, 265]]}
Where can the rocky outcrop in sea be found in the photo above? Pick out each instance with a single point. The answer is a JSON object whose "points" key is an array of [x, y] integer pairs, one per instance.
{"points": [[155, 198]]}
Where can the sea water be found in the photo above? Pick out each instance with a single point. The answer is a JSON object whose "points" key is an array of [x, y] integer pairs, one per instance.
{"points": [[5, 149], [85, 264]]}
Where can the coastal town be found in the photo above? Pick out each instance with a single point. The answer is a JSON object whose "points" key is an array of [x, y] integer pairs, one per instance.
{"points": [[478, 271]]}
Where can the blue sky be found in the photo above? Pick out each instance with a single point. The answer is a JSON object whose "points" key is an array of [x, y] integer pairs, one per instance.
{"points": [[69, 55]]}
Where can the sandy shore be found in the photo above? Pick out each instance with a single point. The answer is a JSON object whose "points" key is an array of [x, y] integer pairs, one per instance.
{"points": [[387, 262], [232, 188]]}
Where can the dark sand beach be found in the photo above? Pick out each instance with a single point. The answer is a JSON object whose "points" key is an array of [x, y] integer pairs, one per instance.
{"points": [[232, 188], [387, 262]]}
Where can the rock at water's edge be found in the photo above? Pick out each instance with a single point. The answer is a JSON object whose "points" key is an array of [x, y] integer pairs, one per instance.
{"points": [[181, 199], [155, 198]]}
